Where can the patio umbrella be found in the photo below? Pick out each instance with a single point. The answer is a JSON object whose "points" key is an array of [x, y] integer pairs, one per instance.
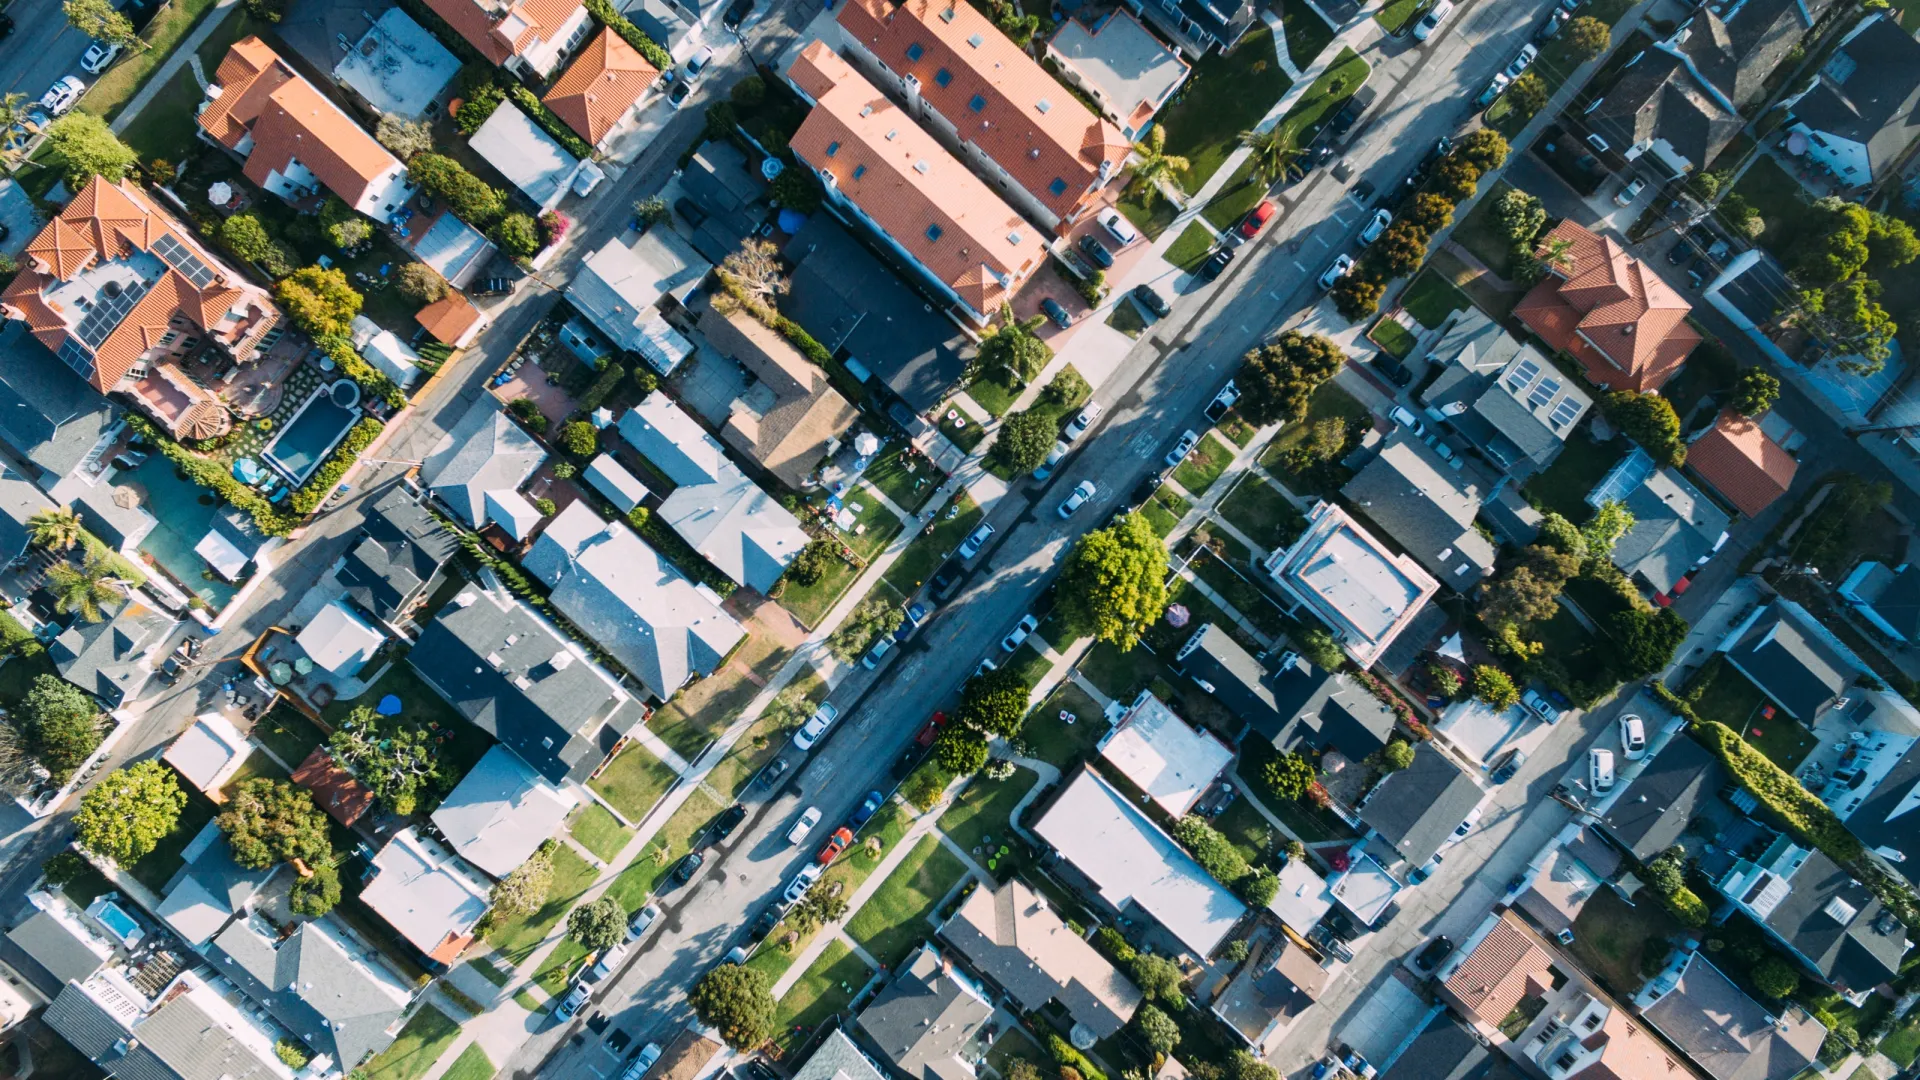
{"points": [[866, 444], [303, 666], [389, 706], [603, 417], [280, 673], [791, 220], [1177, 615], [1796, 144], [220, 194], [125, 497], [1451, 649], [247, 471], [771, 167]]}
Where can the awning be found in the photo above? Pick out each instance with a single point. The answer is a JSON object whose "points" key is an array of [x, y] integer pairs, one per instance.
{"points": [[662, 345], [227, 561]]}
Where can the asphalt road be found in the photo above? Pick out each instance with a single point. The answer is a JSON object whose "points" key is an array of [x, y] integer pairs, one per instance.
{"points": [[42, 48]]}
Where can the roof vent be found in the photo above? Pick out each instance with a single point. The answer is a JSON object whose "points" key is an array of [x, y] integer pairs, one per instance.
{"points": [[1840, 911], [496, 660], [922, 167], [977, 40], [466, 599], [561, 660]]}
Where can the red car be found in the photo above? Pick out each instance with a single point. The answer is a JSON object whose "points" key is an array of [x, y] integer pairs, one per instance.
{"points": [[836, 844], [1257, 219], [932, 728]]}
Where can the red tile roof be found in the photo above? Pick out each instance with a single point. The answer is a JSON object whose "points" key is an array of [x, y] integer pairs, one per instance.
{"points": [[448, 318], [1506, 966], [999, 98], [1742, 463], [1626, 326], [493, 34], [600, 86]]}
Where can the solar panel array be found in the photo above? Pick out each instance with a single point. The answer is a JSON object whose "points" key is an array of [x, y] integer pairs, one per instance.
{"points": [[106, 313], [1564, 413], [1543, 393], [1522, 375], [77, 357], [183, 260]]}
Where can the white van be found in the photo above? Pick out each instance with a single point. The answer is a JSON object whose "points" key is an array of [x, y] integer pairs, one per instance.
{"points": [[1600, 770]]}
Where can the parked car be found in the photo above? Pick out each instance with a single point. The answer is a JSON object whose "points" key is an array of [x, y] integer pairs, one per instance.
{"points": [[808, 819], [494, 286], [1600, 770], [879, 652], [910, 620], [1430, 22], [1392, 370], [1680, 252], [1119, 227], [642, 921], [1506, 765], [688, 867], [1543, 708], [1435, 954], [575, 1000], [1188, 440], [1257, 218], [1528, 54], [868, 807], [930, 730], [1079, 424], [1631, 192], [1400, 415], [1375, 226], [679, 93], [976, 540], [1215, 263], [1222, 401], [1081, 493], [1150, 299], [1052, 310], [947, 579], [1633, 737], [1097, 252], [986, 664], [835, 844], [737, 14], [798, 887], [1495, 87], [1554, 24], [1342, 266], [641, 1062], [98, 56], [1027, 625], [1598, 143], [62, 95], [729, 820], [696, 66], [816, 726], [775, 769], [763, 925], [608, 961], [1045, 468]]}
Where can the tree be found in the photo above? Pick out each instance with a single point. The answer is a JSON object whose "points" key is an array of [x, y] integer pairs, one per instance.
{"points": [[468, 196], [755, 269], [812, 564], [1244, 1066], [319, 301], [1159, 980], [1528, 591], [1153, 166], [554, 226], [98, 20], [1289, 775], [1115, 580], [1277, 381], [1067, 389], [292, 1052], [89, 148], [1705, 185], [1647, 639], [652, 210], [17, 775], [1649, 420], [317, 893], [1891, 242], [1399, 250], [246, 237], [1610, 522], [1429, 211], [399, 765], [1356, 296], [1561, 535], [797, 190], [404, 137], [271, 821], [1848, 318], [960, 750], [1775, 977], [1665, 873], [61, 725], [16, 108], [1527, 94], [1483, 148], [1520, 214], [421, 283], [1317, 645], [579, 438], [1588, 37], [1270, 153], [1012, 345], [64, 867], [518, 235], [525, 890], [1257, 887], [1396, 755], [994, 702], [1754, 392], [736, 1000], [1740, 215], [128, 812], [55, 528], [86, 588], [871, 619], [1834, 247], [1556, 254], [1026, 438], [1157, 1029], [344, 225], [1492, 686], [601, 924]]}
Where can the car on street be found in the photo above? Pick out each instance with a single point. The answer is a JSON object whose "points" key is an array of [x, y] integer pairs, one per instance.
{"points": [[642, 921], [1506, 765], [1435, 954], [1215, 263], [1342, 266], [1081, 493], [1375, 226], [1600, 770], [930, 730], [1633, 737], [835, 844], [1094, 250], [678, 95], [1541, 707], [6, 27], [1441, 147], [808, 819], [775, 769], [1149, 298], [1399, 414], [1079, 424], [737, 14], [910, 620], [1222, 401], [62, 95], [641, 1062], [1045, 468], [1119, 227], [1599, 144], [763, 925], [986, 665], [1630, 192], [576, 998], [1027, 625], [868, 807], [1430, 22], [1257, 218], [688, 867], [608, 961], [801, 882], [1052, 310], [1495, 87], [976, 540], [1188, 440], [1552, 27], [494, 286], [729, 820], [816, 726], [946, 579], [879, 652], [696, 66], [1528, 54], [98, 56], [1680, 252]]}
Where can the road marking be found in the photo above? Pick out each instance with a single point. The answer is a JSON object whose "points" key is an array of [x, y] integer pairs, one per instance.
{"points": [[1141, 445]]}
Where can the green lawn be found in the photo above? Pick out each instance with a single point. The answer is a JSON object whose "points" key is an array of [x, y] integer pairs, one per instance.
{"points": [[515, 938], [674, 839], [1430, 298], [760, 743], [1310, 824], [1232, 585], [1204, 465], [826, 988], [1336, 84], [1396, 339], [167, 127], [1120, 675], [1307, 33], [1238, 196], [909, 480], [894, 918], [633, 781], [994, 391], [1731, 698], [1611, 936], [1055, 741], [699, 713], [1227, 94], [922, 557], [123, 80], [600, 832], [565, 959], [978, 820], [1258, 509], [1057, 410], [1481, 234], [1237, 430], [420, 1043], [288, 734], [810, 603], [1780, 200], [1248, 830], [873, 843], [1328, 401], [486, 969], [966, 436], [1149, 211], [1030, 662], [472, 1064], [1397, 14], [1191, 249], [1564, 485], [167, 856], [1903, 1044]]}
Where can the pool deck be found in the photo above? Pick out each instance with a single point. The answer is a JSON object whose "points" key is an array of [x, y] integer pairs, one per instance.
{"points": [[351, 413]]}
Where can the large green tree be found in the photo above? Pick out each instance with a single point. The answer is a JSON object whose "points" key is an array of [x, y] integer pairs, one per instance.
{"points": [[1277, 381], [1848, 317], [129, 811], [90, 588], [87, 148], [1528, 591], [1012, 345], [55, 528], [271, 821], [1588, 37], [736, 1000], [994, 702], [1754, 392], [1610, 522], [1649, 420], [99, 20], [960, 750], [1026, 438], [315, 894], [319, 300], [61, 724], [600, 924], [1116, 580], [400, 764]]}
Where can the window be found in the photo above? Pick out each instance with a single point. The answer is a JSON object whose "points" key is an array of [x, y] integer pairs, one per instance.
{"points": [[1058, 187], [977, 104], [1592, 1021], [947, 15], [1565, 1061], [859, 171], [943, 77], [1013, 238], [166, 339], [915, 52], [933, 232], [977, 40], [833, 148]]}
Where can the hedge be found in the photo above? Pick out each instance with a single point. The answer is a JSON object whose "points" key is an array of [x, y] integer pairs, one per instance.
{"points": [[369, 378], [1212, 851], [306, 500], [603, 10], [678, 551], [16, 639], [538, 112], [1066, 1056], [472, 199], [1803, 812], [1686, 906], [602, 387]]}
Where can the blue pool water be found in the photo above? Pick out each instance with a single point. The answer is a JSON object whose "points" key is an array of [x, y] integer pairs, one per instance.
{"points": [[313, 431]]}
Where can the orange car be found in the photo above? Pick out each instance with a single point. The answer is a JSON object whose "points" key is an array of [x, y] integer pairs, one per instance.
{"points": [[836, 844]]}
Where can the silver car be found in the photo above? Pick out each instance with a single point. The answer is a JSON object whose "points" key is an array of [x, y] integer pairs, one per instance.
{"points": [[1081, 493]]}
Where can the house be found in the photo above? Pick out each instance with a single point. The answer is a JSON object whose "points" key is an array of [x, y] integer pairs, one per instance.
{"points": [[400, 559], [790, 412], [63, 940], [452, 319], [1012, 938], [1806, 670], [454, 249], [611, 479], [1361, 590], [1122, 66], [1725, 1032], [1302, 898], [722, 185], [476, 470], [1887, 597], [19, 502], [987, 99], [1559, 884], [50, 418], [621, 288], [208, 753], [1170, 762], [1504, 398], [525, 36], [1367, 891], [1622, 322], [601, 86], [1654, 808], [838, 1058], [527, 156], [315, 982], [123, 294], [661, 626], [1835, 926], [924, 1023], [397, 66], [884, 171], [1297, 707], [233, 543], [1742, 462], [430, 895], [1595, 1035], [1417, 809], [1863, 111], [727, 518], [1501, 964], [186, 1030], [533, 689], [1409, 491], [339, 640], [501, 812], [1135, 868], [210, 889], [386, 352], [293, 138], [1446, 1049], [1884, 817], [1198, 26], [1276, 984], [336, 790], [112, 659], [1675, 527]]}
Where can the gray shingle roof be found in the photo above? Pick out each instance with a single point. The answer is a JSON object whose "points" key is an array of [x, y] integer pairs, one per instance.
{"points": [[1294, 705], [1869, 93], [1790, 664], [55, 947], [398, 558], [838, 1058], [1890, 817], [1860, 953], [1649, 816], [19, 501], [922, 1018], [1012, 937], [179, 1041], [1674, 526], [1657, 97], [1737, 53], [485, 451], [1728, 1033], [103, 658], [76, 1017], [1427, 507], [1418, 807], [47, 413], [310, 984]]}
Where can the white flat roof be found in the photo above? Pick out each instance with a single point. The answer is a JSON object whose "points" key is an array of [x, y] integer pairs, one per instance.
{"points": [[338, 638], [425, 891], [194, 913], [1133, 68], [524, 154], [1303, 896], [610, 478], [397, 66], [1168, 759], [208, 751], [1129, 859], [1365, 889]]}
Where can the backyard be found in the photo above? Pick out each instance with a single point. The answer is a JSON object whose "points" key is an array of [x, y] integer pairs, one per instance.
{"points": [[287, 734], [1771, 190], [461, 743], [1430, 298], [158, 866], [1051, 738], [1721, 693], [1563, 486], [1226, 94], [1328, 401], [894, 918], [1611, 939]]}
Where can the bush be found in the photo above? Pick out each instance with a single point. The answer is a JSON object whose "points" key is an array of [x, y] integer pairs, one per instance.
{"points": [[579, 438], [1493, 686], [1258, 887], [1111, 942], [1686, 907], [306, 500], [550, 123], [295, 1055], [1065, 1056], [421, 283], [468, 196], [923, 789], [547, 507], [528, 412], [611, 18], [603, 386], [1809, 819], [1210, 849], [553, 227], [517, 235], [1396, 755], [1775, 977], [478, 107]]}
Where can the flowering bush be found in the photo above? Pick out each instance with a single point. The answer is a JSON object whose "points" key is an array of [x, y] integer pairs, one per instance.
{"points": [[554, 225]]}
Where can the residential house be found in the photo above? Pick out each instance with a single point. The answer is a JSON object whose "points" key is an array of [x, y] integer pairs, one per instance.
{"points": [[1560, 882], [234, 544], [790, 413], [208, 753], [1742, 462], [1279, 981], [1675, 529], [1367, 891], [64, 941], [1884, 816], [1598, 1036], [1727, 1034], [1807, 671], [52, 423], [1130, 73], [838, 1057], [1888, 597], [1417, 809], [1835, 926], [1199, 25], [624, 288], [452, 319], [339, 639], [1302, 898], [1655, 807], [123, 294], [501, 812], [399, 560], [1012, 938], [336, 790], [1297, 707], [386, 352], [183, 1030], [315, 982], [601, 87], [293, 138], [883, 170], [611, 479], [476, 470], [1446, 1049], [1360, 589], [1863, 111], [432, 896], [1502, 964], [528, 157], [525, 36], [1133, 867], [454, 249], [19, 502], [1170, 762], [716, 508], [1504, 398], [114, 658], [398, 66], [929, 1023], [532, 688], [729, 197], [661, 626], [1428, 508], [1622, 322], [967, 82]]}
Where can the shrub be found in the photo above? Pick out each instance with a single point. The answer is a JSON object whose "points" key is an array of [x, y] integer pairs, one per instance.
{"points": [[1396, 755], [550, 123], [1114, 945], [1809, 819], [517, 235], [923, 789], [563, 470], [421, 283], [579, 438], [1288, 775], [1686, 907], [372, 381], [547, 507], [1258, 888], [1775, 977], [294, 1054], [1065, 1056], [554, 226], [477, 107], [1210, 849], [611, 18], [468, 196], [603, 386], [1492, 686]]}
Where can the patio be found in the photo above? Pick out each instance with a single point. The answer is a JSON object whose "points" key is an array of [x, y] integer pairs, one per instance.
{"points": [[546, 370]]}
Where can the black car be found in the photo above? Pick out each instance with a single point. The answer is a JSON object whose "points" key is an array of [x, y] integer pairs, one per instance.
{"points": [[1508, 764], [947, 579], [494, 286], [737, 14], [1434, 954], [1092, 248], [1441, 148], [728, 821], [1392, 370], [1678, 253], [776, 769], [910, 620], [688, 867], [6, 25], [1149, 484], [762, 926], [1215, 264], [1151, 299]]}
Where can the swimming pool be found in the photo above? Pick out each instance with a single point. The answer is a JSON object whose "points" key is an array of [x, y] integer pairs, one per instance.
{"points": [[317, 426]]}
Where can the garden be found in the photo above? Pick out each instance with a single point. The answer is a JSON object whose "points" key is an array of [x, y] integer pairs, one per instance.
{"points": [[1719, 692], [1329, 403]]}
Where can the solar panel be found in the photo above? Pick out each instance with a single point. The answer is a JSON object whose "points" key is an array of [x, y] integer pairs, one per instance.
{"points": [[107, 311], [185, 261], [77, 357], [1564, 413], [1522, 375], [1543, 393]]}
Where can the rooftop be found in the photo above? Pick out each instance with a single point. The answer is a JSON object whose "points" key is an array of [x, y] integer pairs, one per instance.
{"points": [[1132, 72], [1417, 808], [1782, 650], [49, 415], [337, 791], [1882, 114], [1674, 528], [1163, 755], [1651, 812], [618, 285], [1365, 593], [108, 659], [601, 86], [791, 412], [923, 1020], [1270, 989], [501, 812], [315, 982], [486, 452], [1623, 322], [401, 553], [430, 895], [1507, 964], [208, 752], [1297, 706], [339, 640], [1012, 937], [1729, 1034], [502, 29], [1504, 397], [528, 157], [1740, 462], [1409, 491], [1302, 898], [397, 66]]}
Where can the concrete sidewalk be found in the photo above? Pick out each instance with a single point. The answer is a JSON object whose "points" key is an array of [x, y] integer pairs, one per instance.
{"points": [[183, 53]]}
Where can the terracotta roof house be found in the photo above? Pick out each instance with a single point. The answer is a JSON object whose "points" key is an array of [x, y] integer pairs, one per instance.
{"points": [[990, 101], [601, 86], [521, 35], [1506, 965], [452, 320], [1741, 462], [122, 294], [883, 170], [294, 139], [1626, 326], [1864, 110]]}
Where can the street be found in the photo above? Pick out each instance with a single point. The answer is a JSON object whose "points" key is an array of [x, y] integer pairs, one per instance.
{"points": [[42, 49]]}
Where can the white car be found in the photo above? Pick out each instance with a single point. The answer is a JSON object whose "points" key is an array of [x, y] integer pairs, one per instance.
{"points": [[1120, 228], [1026, 626], [1341, 267], [99, 55], [1078, 425], [1045, 468], [608, 961], [1431, 21], [1633, 737], [816, 726], [1494, 89], [642, 921], [62, 95], [808, 819], [1375, 226], [1399, 414], [986, 665], [1544, 709], [1630, 192], [641, 1062], [801, 882], [1188, 440], [878, 653], [696, 66], [572, 1003], [1600, 770], [1528, 54], [975, 540], [1081, 493]]}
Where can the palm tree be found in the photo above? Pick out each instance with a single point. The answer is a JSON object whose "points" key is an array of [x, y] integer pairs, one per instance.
{"points": [[1153, 165], [14, 109], [1557, 254], [1273, 152], [55, 529], [85, 587]]}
